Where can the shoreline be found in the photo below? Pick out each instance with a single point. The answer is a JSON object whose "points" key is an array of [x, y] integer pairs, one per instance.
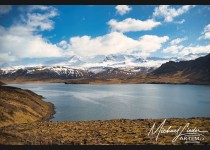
{"points": [[50, 114], [108, 83]]}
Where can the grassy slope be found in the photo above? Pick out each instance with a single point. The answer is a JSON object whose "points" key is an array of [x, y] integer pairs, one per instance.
{"points": [[22, 106]]}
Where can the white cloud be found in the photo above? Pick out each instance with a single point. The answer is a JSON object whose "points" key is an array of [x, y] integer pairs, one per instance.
{"points": [[178, 40], [39, 7], [131, 24], [4, 9], [207, 28], [181, 50], [5, 57], [145, 42], [123, 9], [20, 42], [174, 49], [195, 50], [115, 43], [63, 44], [23, 39], [205, 33], [169, 13], [41, 21]]}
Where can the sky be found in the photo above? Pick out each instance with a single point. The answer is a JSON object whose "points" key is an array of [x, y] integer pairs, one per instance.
{"points": [[31, 34]]}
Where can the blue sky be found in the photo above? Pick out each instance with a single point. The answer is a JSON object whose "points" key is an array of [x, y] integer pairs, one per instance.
{"points": [[32, 34]]}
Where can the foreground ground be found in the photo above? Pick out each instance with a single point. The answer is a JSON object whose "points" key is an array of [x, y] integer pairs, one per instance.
{"points": [[120, 131]]}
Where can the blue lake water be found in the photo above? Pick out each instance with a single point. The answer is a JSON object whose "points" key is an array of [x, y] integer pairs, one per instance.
{"points": [[131, 101]]}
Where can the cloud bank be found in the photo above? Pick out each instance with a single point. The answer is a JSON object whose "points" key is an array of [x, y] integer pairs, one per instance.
{"points": [[23, 40], [115, 43]]}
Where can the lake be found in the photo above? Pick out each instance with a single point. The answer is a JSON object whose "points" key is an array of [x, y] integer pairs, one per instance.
{"points": [[130, 101]]}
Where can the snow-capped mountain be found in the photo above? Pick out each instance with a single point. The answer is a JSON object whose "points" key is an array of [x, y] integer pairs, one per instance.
{"points": [[115, 61], [98, 66], [75, 67], [42, 72], [75, 61]]}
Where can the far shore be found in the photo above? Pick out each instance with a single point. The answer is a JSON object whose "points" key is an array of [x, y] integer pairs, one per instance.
{"points": [[110, 81]]}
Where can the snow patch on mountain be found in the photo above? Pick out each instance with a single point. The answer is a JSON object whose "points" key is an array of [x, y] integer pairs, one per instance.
{"points": [[100, 63]]}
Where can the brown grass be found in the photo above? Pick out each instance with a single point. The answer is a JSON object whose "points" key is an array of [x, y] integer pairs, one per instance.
{"points": [[99, 132], [21, 106]]}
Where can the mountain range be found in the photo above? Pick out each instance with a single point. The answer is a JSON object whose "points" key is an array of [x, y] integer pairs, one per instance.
{"points": [[101, 67], [195, 71]]}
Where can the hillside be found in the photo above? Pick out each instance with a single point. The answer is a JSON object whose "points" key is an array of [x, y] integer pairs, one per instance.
{"points": [[22, 106], [194, 71]]}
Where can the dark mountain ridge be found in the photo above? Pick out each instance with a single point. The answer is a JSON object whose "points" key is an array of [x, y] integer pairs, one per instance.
{"points": [[197, 70]]}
